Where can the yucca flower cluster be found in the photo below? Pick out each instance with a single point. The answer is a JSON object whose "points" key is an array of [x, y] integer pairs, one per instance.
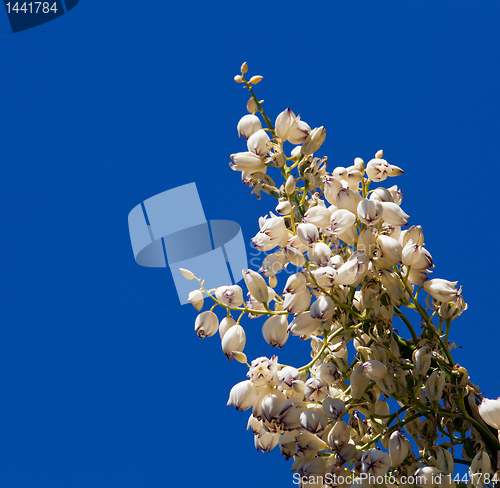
{"points": [[360, 273]]}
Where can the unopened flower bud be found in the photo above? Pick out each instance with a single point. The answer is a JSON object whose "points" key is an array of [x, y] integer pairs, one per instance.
{"points": [[251, 106], [285, 123], [290, 185], [314, 141], [434, 386], [238, 79], [247, 161], [256, 285], [244, 68], [242, 395], [206, 324], [255, 79], [196, 299], [186, 273]]}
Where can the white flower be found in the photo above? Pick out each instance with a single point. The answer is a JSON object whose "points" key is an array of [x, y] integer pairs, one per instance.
{"points": [[324, 276], [378, 169], [225, 324], [272, 263], [262, 371], [323, 308], [314, 420], [375, 462], [421, 360], [334, 408], [257, 143], [329, 373], [434, 386], [341, 221], [314, 141], [231, 296], [206, 324], [318, 215], [196, 299], [307, 233], [480, 465], [297, 302], [339, 435], [298, 134], [242, 395], [359, 382], [271, 405], [233, 341], [398, 448], [284, 208], [332, 187], [319, 254], [286, 376], [275, 330], [303, 324], [294, 256], [289, 415], [373, 369], [267, 442], [316, 389], [391, 249], [490, 412], [256, 285], [285, 124], [248, 125], [348, 200], [247, 161], [295, 283], [442, 290], [393, 214], [369, 211]]}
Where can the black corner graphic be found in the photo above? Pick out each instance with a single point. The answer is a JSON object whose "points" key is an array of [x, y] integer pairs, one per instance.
{"points": [[25, 15]]}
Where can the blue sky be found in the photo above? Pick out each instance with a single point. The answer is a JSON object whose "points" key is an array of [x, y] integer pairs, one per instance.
{"points": [[103, 381]]}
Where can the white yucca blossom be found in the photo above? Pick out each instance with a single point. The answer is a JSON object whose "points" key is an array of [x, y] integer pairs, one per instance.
{"points": [[352, 274]]}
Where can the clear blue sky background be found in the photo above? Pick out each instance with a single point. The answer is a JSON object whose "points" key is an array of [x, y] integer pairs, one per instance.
{"points": [[103, 383]]}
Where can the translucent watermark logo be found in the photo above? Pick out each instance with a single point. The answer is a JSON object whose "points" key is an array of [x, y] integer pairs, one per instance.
{"points": [[25, 15], [170, 229]]}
